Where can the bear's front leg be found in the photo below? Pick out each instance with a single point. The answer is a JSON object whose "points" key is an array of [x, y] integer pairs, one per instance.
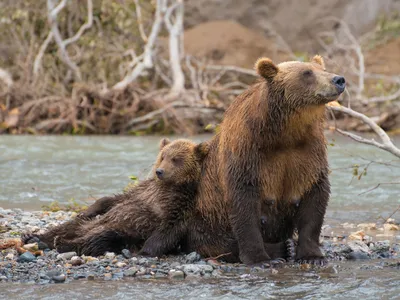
{"points": [[309, 220], [245, 220]]}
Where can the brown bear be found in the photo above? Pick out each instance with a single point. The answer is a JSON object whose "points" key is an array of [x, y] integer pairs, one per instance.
{"points": [[151, 212], [266, 173]]}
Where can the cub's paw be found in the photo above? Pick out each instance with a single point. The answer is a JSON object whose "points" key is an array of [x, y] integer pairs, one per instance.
{"points": [[29, 238]]}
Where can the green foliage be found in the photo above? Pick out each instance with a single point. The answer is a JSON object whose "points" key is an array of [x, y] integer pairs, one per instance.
{"points": [[134, 181], [359, 173]]}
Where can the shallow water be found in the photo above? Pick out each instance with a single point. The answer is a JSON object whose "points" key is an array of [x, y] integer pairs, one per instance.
{"points": [[36, 170], [349, 280]]}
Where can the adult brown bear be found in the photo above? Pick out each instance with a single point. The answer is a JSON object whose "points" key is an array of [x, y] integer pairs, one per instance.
{"points": [[266, 173]]}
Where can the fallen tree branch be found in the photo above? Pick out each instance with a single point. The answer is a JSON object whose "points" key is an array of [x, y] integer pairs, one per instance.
{"points": [[385, 144]]}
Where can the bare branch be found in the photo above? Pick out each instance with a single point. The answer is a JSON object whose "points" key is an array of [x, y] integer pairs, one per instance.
{"points": [[386, 144], [378, 185], [52, 16], [6, 77], [175, 31], [140, 21], [84, 27], [233, 69], [38, 59], [147, 61]]}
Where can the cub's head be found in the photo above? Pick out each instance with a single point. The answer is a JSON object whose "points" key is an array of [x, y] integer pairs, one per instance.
{"points": [[301, 83], [180, 161]]}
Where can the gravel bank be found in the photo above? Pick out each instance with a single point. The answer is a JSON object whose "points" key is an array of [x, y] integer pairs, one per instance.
{"points": [[49, 266]]}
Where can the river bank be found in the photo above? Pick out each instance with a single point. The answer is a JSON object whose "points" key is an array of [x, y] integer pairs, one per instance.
{"points": [[49, 266]]}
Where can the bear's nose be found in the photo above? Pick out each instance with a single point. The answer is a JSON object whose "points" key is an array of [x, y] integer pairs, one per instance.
{"points": [[159, 173], [340, 83]]}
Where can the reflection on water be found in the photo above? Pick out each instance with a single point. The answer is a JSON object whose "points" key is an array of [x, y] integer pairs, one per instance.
{"points": [[353, 280]]}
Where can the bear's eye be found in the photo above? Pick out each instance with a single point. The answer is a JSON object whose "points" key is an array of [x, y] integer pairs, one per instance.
{"points": [[307, 73], [176, 160]]}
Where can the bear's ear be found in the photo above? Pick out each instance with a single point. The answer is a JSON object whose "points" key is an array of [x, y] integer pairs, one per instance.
{"points": [[318, 60], [164, 142], [266, 68], [201, 150]]}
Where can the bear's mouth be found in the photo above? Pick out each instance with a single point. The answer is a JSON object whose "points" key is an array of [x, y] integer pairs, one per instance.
{"points": [[328, 97]]}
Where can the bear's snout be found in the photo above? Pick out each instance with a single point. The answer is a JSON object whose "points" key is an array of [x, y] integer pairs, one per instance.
{"points": [[340, 83], [160, 173]]}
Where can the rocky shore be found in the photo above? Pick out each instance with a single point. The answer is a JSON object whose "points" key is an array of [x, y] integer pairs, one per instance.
{"points": [[32, 264]]}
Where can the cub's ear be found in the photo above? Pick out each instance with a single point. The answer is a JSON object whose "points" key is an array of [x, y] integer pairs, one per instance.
{"points": [[266, 68], [318, 60], [164, 142], [201, 150]]}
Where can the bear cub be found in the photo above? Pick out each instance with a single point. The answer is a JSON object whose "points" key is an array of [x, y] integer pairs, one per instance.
{"points": [[150, 216]]}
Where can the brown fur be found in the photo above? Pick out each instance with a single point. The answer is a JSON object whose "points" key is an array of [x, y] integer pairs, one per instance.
{"points": [[266, 171], [151, 213]]}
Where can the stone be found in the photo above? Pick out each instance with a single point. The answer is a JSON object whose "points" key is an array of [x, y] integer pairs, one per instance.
{"points": [[53, 273], [77, 261], [26, 257], [192, 257], [358, 235], [9, 256], [31, 247], [90, 277], [197, 269], [358, 246], [357, 255], [66, 255], [109, 255], [107, 276], [59, 279], [390, 227], [176, 274], [120, 264], [130, 272], [126, 253]]}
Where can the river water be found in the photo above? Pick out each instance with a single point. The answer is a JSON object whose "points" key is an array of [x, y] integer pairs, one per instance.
{"points": [[36, 170]]}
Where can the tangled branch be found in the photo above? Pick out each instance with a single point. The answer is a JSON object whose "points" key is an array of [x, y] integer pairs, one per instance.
{"points": [[385, 144]]}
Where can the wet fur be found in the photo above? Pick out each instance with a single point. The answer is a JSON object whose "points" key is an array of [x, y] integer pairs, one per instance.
{"points": [[150, 214], [266, 173]]}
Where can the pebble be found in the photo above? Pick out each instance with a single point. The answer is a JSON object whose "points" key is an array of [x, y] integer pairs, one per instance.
{"points": [[77, 261], [192, 257], [176, 274], [59, 278], [130, 272], [90, 277], [358, 255], [358, 246], [9, 256], [53, 267], [26, 257], [109, 255], [31, 247], [126, 253], [66, 255], [120, 264]]}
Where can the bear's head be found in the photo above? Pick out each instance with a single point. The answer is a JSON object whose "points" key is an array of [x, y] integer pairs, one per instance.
{"points": [[180, 161], [301, 83]]}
